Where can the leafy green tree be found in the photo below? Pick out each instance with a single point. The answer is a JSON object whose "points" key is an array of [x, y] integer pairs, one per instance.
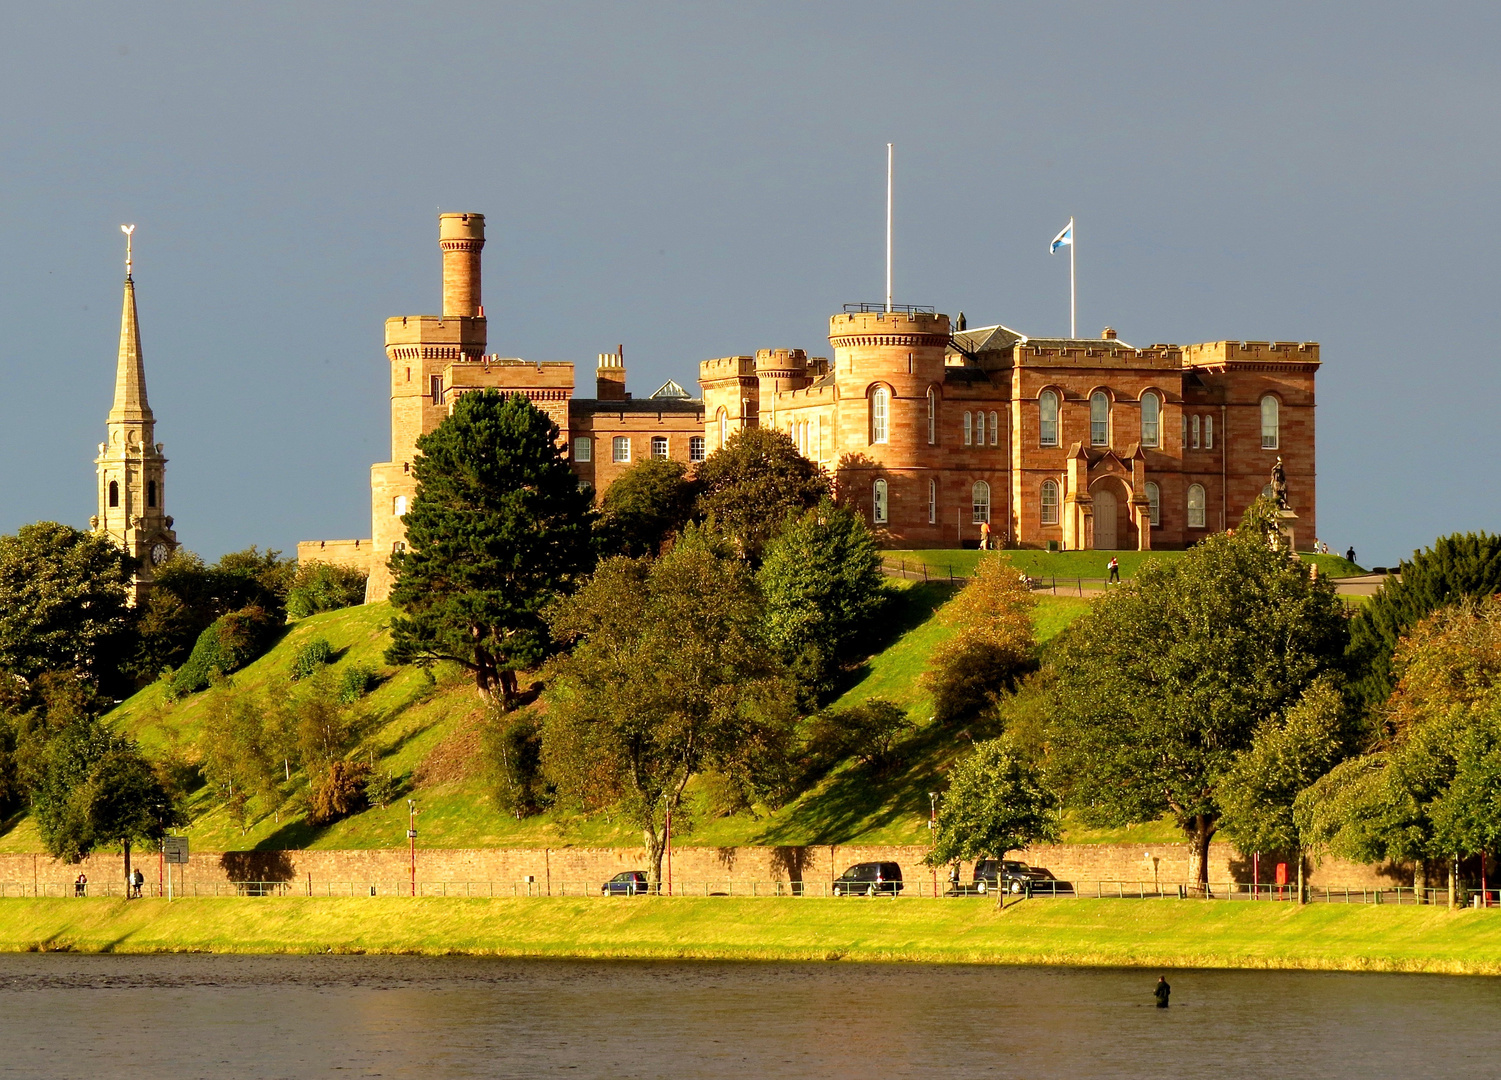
{"points": [[320, 586], [868, 732], [63, 600], [242, 752], [992, 647], [499, 528], [997, 802], [646, 506], [1455, 567], [1287, 754], [230, 642], [822, 581], [669, 676], [1160, 688], [754, 483], [99, 790]]}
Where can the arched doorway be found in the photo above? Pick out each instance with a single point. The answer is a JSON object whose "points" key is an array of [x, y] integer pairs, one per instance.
{"points": [[1105, 512]]}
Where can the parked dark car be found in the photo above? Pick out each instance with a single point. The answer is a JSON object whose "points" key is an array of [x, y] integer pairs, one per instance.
{"points": [[991, 873], [869, 878], [627, 883]]}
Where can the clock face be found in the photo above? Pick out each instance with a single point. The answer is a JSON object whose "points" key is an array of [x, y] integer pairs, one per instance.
{"points": [[159, 554]]}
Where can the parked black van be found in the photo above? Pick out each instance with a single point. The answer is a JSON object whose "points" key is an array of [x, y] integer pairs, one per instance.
{"points": [[870, 878]]}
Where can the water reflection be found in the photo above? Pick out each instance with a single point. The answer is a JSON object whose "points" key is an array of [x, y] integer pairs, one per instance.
{"points": [[223, 1017]]}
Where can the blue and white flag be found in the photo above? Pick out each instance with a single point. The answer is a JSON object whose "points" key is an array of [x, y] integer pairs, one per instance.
{"points": [[1064, 238]]}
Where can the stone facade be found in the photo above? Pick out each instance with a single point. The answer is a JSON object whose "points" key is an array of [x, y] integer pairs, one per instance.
{"points": [[131, 466], [936, 433]]}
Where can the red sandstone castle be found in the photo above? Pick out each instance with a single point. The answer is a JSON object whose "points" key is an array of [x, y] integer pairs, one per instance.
{"points": [[931, 430]]}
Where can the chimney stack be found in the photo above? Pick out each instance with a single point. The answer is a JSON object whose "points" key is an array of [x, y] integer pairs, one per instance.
{"points": [[609, 377], [461, 236]]}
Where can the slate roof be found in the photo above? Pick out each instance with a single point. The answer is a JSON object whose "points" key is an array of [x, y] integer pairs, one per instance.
{"points": [[637, 405]]}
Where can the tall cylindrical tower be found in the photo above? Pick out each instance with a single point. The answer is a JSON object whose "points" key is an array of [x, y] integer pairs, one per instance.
{"points": [[462, 237]]}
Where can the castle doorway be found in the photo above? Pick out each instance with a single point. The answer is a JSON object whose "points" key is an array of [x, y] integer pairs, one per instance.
{"points": [[1104, 519]]}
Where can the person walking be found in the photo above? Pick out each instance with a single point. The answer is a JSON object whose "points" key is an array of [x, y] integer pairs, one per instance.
{"points": [[1351, 553], [1162, 991], [1115, 571], [984, 536]]}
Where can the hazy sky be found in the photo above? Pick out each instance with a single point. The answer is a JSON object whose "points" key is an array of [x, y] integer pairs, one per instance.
{"points": [[700, 180]]}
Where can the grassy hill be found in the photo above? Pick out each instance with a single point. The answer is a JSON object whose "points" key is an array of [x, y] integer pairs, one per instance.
{"points": [[427, 731]]}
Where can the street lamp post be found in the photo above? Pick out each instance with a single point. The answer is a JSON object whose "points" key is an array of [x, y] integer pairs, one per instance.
{"points": [[412, 839], [933, 833]]}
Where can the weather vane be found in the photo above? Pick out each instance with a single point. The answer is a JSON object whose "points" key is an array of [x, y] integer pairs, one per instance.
{"points": [[127, 230]]}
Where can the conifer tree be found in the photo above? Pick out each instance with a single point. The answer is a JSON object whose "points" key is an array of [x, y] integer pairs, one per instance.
{"points": [[499, 528]]}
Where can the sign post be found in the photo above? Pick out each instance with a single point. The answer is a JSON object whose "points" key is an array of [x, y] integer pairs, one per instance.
{"points": [[175, 851]]}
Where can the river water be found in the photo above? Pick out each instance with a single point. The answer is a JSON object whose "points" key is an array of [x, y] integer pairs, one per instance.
{"points": [[242, 1017]]}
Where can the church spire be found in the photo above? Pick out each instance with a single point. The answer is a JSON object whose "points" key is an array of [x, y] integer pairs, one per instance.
{"points": [[130, 370]]}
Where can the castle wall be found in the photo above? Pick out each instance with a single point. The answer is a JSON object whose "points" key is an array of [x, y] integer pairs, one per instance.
{"points": [[350, 554]]}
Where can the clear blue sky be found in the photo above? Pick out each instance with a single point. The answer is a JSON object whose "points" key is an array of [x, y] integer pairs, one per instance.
{"points": [[699, 180]]}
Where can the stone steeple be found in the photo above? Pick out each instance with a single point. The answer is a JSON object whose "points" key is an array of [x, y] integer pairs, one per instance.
{"points": [[131, 465]]}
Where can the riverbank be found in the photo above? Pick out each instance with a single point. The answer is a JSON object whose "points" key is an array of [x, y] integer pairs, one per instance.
{"points": [[1109, 933]]}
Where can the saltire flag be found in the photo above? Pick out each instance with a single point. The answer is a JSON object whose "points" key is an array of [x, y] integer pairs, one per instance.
{"points": [[1064, 238]]}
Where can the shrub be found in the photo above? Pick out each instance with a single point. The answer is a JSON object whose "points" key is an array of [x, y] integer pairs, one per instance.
{"points": [[230, 642], [868, 732], [969, 674], [357, 681], [513, 749], [319, 586], [382, 788], [338, 791], [313, 655]]}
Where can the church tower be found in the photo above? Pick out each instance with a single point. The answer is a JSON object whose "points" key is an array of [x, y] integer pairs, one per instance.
{"points": [[132, 469]]}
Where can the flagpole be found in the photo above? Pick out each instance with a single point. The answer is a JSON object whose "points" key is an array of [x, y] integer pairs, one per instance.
{"points": [[888, 227], [1073, 296]]}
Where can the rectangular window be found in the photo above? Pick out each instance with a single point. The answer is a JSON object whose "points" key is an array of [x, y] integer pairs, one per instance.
{"points": [[620, 447], [969, 429], [932, 501], [1195, 423], [398, 506], [659, 447], [696, 448], [1208, 433], [435, 388], [995, 430], [583, 449]]}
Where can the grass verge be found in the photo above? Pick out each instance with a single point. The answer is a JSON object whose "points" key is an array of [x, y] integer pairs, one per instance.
{"points": [[1117, 933], [1071, 564]]}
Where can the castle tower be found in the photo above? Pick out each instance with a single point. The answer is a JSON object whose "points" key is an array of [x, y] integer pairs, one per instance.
{"points": [[420, 348], [131, 466]]}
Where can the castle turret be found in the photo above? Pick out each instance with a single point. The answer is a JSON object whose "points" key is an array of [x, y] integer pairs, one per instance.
{"points": [[462, 238]]}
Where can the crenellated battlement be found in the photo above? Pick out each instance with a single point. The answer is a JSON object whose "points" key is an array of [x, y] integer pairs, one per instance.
{"points": [[727, 367], [1212, 353], [911, 327]]}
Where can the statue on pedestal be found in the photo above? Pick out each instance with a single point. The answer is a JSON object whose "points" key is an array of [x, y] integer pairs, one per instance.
{"points": [[1279, 485]]}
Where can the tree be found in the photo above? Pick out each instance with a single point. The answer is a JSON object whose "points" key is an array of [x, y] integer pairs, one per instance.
{"points": [[1456, 567], [63, 600], [754, 483], [822, 581], [669, 676], [992, 646], [646, 506], [996, 802], [1166, 681], [320, 586], [498, 529], [243, 750], [1287, 753], [98, 789]]}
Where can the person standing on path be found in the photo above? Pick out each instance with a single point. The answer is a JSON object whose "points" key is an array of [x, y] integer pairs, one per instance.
{"points": [[1115, 570], [1162, 991]]}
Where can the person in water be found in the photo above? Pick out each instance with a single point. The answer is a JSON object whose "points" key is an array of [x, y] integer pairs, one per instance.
{"points": [[1162, 991]]}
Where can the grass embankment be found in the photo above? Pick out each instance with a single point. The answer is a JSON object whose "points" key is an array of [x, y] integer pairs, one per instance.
{"points": [[1074, 564], [427, 732], [1137, 933]]}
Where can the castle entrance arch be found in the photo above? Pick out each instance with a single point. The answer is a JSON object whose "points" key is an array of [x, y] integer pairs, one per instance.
{"points": [[1105, 512]]}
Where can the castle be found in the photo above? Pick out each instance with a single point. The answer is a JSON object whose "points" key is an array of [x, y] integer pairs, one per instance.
{"points": [[933, 431], [131, 467]]}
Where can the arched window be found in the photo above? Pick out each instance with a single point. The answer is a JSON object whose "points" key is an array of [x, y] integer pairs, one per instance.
{"points": [[932, 416], [151, 493], [1195, 506], [1050, 502], [1047, 406], [695, 448], [995, 430], [880, 413], [980, 496], [398, 506], [969, 428], [1195, 423], [1099, 418], [932, 501], [724, 429], [1151, 420], [1208, 433], [1269, 423], [114, 493], [583, 449], [659, 446], [1154, 504], [878, 502]]}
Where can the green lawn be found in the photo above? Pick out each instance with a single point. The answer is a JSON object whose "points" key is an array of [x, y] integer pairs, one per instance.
{"points": [[1070, 564], [1122, 933]]}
